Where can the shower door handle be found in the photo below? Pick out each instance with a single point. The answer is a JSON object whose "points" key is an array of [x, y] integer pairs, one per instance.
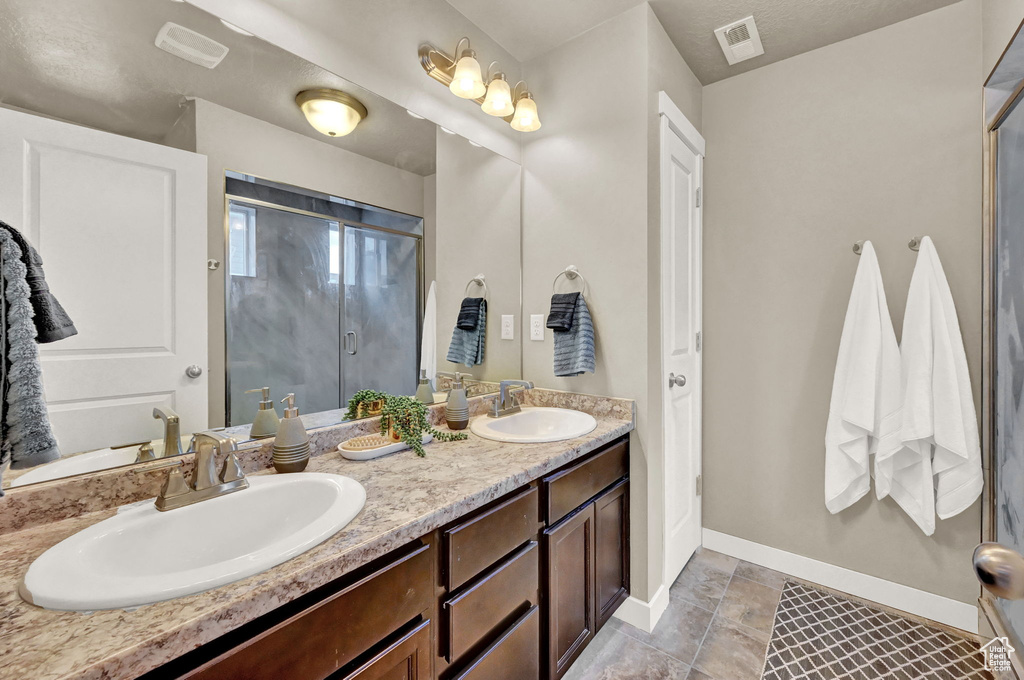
{"points": [[355, 342], [1000, 570]]}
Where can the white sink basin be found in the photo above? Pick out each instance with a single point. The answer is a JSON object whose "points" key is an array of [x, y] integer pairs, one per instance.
{"points": [[534, 425], [142, 555], [90, 461]]}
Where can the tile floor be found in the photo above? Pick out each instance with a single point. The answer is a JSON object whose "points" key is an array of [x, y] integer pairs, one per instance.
{"points": [[717, 627]]}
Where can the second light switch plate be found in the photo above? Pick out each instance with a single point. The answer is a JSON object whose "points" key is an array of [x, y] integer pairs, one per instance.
{"points": [[536, 327]]}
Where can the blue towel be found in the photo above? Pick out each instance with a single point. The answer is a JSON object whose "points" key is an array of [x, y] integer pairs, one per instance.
{"points": [[574, 348], [467, 346]]}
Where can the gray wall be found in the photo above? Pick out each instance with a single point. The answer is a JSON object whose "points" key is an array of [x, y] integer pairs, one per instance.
{"points": [[877, 137], [477, 231], [587, 198]]}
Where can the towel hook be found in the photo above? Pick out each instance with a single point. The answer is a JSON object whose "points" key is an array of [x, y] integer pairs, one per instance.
{"points": [[571, 272], [915, 243], [479, 280], [858, 247]]}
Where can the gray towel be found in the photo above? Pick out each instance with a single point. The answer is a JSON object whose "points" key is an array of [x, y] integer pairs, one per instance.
{"points": [[24, 422], [467, 347], [51, 321], [574, 348]]}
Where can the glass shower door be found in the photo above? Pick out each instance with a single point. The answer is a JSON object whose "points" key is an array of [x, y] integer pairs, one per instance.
{"points": [[380, 318]]}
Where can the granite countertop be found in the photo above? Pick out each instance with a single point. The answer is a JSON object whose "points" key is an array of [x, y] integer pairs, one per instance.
{"points": [[407, 497]]}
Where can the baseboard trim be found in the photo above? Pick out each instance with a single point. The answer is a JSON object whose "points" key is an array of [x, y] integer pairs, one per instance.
{"points": [[918, 602], [644, 615]]}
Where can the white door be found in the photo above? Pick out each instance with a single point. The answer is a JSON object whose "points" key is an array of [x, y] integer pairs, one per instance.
{"points": [[121, 227], [681, 164]]}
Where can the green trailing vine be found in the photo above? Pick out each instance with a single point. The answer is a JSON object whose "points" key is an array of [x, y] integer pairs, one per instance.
{"points": [[361, 398], [408, 418]]}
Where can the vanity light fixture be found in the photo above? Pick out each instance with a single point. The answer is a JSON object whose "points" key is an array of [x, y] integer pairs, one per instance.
{"points": [[331, 112], [462, 75], [467, 82]]}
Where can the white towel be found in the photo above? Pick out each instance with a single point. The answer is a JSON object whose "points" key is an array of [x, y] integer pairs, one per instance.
{"points": [[864, 412], [428, 345], [940, 426]]}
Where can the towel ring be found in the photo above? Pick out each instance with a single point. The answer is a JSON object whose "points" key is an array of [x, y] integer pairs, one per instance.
{"points": [[478, 280], [915, 243], [571, 273], [858, 247]]}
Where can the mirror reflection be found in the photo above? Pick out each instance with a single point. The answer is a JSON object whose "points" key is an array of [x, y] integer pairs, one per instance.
{"points": [[226, 224]]}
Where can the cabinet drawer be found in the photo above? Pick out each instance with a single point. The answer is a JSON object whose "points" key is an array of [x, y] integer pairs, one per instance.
{"points": [[318, 641], [472, 546], [473, 614], [513, 656], [568, 489], [407, 658]]}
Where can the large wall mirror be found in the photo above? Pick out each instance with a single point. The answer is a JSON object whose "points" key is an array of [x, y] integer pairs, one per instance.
{"points": [[208, 242]]}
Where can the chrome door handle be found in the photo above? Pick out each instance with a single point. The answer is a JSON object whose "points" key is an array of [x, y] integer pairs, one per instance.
{"points": [[355, 342], [676, 380], [1000, 570], [194, 371]]}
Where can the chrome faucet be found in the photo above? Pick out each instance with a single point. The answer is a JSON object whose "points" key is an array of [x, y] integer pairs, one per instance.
{"points": [[205, 482], [172, 432], [505, 404]]}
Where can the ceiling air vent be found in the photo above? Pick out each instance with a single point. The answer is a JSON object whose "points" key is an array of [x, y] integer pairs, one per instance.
{"points": [[739, 40], [190, 46]]}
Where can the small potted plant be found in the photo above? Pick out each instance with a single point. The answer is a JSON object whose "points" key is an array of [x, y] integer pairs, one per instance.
{"points": [[365, 404], [405, 419]]}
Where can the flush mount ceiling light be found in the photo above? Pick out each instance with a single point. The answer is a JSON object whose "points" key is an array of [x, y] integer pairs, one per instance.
{"points": [[463, 77], [331, 112]]}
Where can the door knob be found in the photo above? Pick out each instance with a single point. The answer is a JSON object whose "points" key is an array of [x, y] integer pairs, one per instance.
{"points": [[1000, 570], [676, 380], [194, 371]]}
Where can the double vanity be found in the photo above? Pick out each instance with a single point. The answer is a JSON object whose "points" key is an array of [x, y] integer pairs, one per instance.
{"points": [[486, 559]]}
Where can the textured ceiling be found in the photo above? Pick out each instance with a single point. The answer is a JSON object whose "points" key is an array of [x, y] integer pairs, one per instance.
{"points": [[93, 62], [528, 28]]}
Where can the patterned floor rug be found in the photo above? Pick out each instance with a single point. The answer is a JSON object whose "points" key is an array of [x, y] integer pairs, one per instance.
{"points": [[820, 636]]}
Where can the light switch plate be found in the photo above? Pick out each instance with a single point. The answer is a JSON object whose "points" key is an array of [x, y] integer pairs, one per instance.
{"points": [[536, 327], [508, 327]]}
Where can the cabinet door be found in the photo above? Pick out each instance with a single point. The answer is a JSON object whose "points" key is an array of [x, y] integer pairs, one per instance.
{"points": [[569, 561], [408, 658], [611, 549]]}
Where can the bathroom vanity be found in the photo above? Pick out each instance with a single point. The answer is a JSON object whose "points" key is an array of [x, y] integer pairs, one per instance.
{"points": [[484, 559], [513, 590]]}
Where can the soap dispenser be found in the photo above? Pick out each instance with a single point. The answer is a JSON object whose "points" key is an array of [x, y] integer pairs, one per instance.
{"points": [[424, 393], [291, 448], [456, 412], [266, 421]]}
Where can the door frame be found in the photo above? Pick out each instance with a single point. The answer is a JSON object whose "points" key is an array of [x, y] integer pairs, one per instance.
{"points": [[674, 122]]}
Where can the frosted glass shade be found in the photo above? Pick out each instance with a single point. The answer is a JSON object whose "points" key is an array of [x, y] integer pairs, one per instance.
{"points": [[331, 112], [467, 82], [498, 101], [526, 118]]}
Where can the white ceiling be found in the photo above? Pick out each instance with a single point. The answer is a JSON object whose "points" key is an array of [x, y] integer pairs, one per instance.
{"points": [[93, 62], [528, 28]]}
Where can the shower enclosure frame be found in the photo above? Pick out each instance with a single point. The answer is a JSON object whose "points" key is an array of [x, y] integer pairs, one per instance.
{"points": [[228, 198]]}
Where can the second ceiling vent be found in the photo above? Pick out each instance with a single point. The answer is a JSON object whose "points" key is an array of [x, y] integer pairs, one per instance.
{"points": [[739, 40]]}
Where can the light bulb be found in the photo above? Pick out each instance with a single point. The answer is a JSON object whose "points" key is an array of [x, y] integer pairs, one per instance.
{"points": [[498, 101], [525, 118], [467, 82]]}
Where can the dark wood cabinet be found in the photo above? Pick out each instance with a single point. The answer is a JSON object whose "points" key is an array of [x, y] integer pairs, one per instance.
{"points": [[611, 550], [514, 655], [408, 658], [571, 619]]}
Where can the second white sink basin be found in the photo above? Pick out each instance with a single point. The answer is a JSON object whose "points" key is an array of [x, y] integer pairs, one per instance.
{"points": [[535, 425], [142, 555]]}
